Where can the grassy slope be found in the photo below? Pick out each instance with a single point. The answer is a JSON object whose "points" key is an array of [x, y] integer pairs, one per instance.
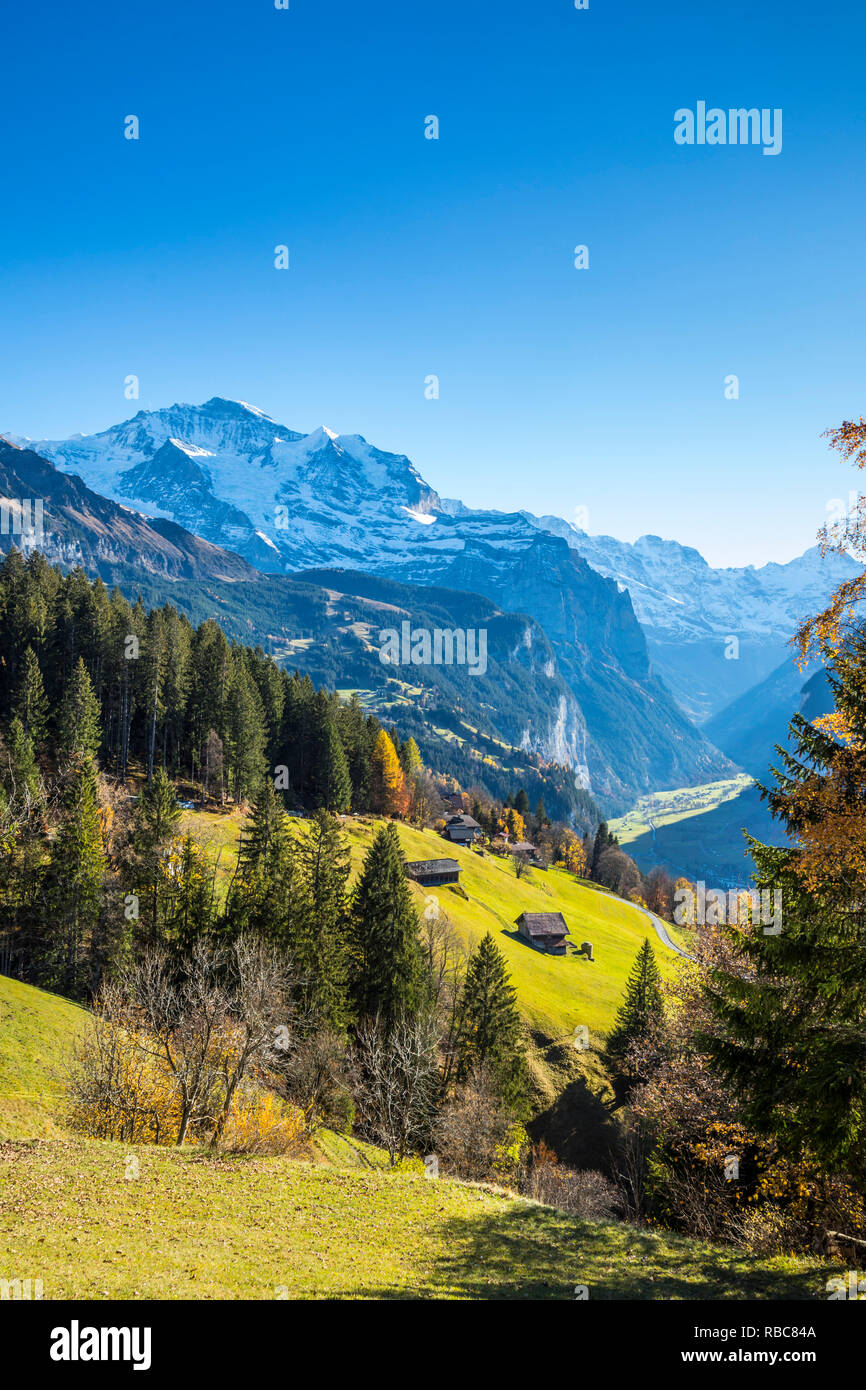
{"points": [[196, 1226], [555, 993], [36, 1030], [193, 1226]]}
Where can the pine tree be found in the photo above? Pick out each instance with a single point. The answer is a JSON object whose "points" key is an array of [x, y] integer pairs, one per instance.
{"points": [[355, 736], [74, 882], [31, 704], [20, 776], [246, 733], [642, 1006], [600, 844], [264, 838], [491, 1031], [410, 759], [331, 783], [521, 803], [190, 912], [792, 1015], [79, 730], [319, 917], [259, 899], [387, 967], [157, 817]]}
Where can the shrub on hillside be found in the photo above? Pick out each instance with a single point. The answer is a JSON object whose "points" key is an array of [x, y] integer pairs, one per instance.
{"points": [[259, 1122], [583, 1192], [476, 1136]]}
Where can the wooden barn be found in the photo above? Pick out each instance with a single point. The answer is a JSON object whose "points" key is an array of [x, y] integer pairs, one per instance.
{"points": [[462, 829], [547, 930], [522, 849], [429, 873]]}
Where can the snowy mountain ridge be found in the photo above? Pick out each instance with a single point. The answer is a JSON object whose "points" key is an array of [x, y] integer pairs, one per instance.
{"points": [[286, 501]]}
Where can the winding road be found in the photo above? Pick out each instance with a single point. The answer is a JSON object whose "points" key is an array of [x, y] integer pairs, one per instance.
{"points": [[662, 933]]}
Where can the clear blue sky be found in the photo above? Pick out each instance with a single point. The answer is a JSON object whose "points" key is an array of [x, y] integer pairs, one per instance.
{"points": [[559, 388]]}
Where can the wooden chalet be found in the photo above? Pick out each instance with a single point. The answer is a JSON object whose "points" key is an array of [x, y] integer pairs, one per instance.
{"points": [[546, 930], [461, 830], [429, 873]]}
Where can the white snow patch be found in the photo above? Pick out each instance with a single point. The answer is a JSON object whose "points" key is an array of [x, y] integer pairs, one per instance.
{"points": [[423, 517], [255, 410], [192, 449]]}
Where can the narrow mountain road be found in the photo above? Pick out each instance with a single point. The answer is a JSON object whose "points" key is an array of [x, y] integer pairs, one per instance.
{"points": [[662, 933]]}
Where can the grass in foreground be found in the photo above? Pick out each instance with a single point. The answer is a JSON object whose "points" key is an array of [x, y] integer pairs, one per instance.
{"points": [[194, 1226]]}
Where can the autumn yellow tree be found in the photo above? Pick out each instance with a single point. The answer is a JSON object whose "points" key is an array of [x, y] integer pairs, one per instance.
{"points": [[824, 634], [389, 795], [513, 824], [819, 797], [573, 855]]}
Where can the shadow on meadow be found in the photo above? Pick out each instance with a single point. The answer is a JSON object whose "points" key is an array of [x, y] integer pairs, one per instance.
{"points": [[536, 1253], [579, 1126]]}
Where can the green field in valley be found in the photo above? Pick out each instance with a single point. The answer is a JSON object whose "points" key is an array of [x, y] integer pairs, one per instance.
{"points": [[667, 808]]}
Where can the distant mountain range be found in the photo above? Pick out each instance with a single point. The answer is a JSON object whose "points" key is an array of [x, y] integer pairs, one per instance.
{"points": [[78, 527], [222, 492], [749, 729], [690, 611], [286, 500]]}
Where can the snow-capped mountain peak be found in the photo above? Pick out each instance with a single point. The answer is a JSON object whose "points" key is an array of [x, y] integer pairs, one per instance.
{"points": [[286, 500]]}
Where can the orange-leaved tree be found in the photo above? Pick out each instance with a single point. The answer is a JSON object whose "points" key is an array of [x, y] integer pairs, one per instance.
{"points": [[389, 793]]}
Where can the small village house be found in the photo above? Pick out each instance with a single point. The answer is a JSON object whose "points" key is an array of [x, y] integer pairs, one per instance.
{"points": [[546, 930], [461, 830], [522, 849]]}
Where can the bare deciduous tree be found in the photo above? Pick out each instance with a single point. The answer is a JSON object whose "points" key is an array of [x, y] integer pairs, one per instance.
{"points": [[446, 957], [202, 1028], [395, 1082], [473, 1129]]}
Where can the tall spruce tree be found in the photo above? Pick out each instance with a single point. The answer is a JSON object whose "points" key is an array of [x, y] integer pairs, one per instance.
{"points": [[259, 897], [491, 1031], [246, 731], [600, 844], [319, 917], [31, 704], [78, 726], [331, 785], [387, 965], [410, 758], [792, 1015], [191, 909], [157, 817], [74, 878], [21, 774], [642, 1006]]}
